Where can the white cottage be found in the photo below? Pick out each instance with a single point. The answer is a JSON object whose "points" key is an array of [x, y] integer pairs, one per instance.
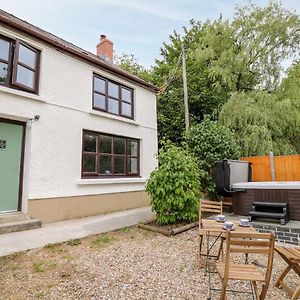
{"points": [[78, 135]]}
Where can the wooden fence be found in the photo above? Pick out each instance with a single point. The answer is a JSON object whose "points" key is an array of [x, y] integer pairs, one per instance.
{"points": [[287, 168]]}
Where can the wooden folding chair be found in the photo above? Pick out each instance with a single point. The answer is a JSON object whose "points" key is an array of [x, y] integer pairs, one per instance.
{"points": [[291, 255], [209, 206], [245, 243]]}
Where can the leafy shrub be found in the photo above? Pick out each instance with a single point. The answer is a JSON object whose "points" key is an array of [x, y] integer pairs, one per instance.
{"points": [[210, 141], [174, 186]]}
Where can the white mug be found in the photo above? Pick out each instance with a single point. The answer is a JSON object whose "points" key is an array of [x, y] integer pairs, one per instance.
{"points": [[228, 225], [244, 222], [220, 218]]}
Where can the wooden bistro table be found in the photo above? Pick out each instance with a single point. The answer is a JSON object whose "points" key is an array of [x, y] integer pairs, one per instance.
{"points": [[214, 229], [291, 255]]}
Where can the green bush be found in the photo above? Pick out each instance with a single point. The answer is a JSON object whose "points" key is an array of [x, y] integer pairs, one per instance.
{"points": [[174, 186], [210, 141]]}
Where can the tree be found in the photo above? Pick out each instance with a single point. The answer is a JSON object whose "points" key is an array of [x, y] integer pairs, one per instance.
{"points": [[290, 86], [204, 96], [210, 141], [174, 186], [130, 63], [223, 57], [261, 122], [289, 91], [248, 52]]}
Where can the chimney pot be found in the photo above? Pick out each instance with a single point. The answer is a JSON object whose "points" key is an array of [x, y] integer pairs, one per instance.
{"points": [[105, 48]]}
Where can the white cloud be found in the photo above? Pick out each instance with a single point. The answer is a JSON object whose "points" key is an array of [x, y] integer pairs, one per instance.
{"points": [[161, 9]]}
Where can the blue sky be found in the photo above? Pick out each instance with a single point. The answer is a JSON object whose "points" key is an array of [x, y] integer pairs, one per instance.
{"points": [[135, 27]]}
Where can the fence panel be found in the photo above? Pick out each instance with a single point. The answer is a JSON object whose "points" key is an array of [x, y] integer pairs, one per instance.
{"points": [[287, 167]]}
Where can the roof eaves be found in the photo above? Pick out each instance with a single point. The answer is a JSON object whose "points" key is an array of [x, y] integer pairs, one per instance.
{"points": [[70, 48]]}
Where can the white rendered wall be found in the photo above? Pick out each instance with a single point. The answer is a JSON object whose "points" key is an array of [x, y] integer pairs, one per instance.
{"points": [[54, 142]]}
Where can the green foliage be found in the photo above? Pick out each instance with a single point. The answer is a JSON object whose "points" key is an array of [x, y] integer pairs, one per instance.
{"points": [[74, 242], [55, 248], [38, 266], [210, 141], [261, 123], [223, 57], [204, 96], [102, 241], [130, 63], [125, 229], [290, 86], [174, 186], [247, 53]]}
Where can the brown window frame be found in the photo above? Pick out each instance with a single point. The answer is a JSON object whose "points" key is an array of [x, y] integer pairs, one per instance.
{"points": [[113, 155], [119, 98], [13, 63]]}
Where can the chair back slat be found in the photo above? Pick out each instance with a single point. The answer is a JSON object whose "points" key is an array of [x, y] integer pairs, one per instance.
{"points": [[249, 250], [211, 206], [250, 243], [249, 235], [256, 243], [210, 210]]}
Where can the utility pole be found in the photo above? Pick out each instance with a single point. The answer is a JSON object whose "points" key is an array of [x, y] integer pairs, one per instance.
{"points": [[185, 93]]}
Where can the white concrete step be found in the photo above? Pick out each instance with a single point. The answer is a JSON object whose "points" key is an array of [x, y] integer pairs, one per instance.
{"points": [[13, 217], [19, 225]]}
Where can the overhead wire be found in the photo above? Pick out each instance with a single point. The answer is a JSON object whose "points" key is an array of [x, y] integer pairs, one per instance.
{"points": [[169, 80]]}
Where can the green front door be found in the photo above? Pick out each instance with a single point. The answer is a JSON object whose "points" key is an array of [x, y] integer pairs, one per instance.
{"points": [[11, 136]]}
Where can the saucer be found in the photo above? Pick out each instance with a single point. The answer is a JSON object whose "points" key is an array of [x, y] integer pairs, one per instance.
{"points": [[220, 221], [229, 229], [244, 225]]}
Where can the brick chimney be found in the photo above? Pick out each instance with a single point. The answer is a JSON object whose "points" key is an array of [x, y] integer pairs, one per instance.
{"points": [[105, 48]]}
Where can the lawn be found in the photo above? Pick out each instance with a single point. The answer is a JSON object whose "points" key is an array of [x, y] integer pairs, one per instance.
{"points": [[130, 263]]}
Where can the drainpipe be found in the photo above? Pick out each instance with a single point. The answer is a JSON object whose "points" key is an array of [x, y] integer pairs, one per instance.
{"points": [[272, 165]]}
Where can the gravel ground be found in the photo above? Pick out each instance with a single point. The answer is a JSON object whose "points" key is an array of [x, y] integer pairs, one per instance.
{"points": [[127, 264]]}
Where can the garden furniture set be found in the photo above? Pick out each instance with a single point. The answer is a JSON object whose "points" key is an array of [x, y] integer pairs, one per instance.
{"points": [[241, 240]]}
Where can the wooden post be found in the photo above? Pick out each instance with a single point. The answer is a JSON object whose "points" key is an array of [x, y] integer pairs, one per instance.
{"points": [[185, 92], [272, 165]]}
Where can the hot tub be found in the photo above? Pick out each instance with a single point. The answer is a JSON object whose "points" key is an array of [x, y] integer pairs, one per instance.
{"points": [[269, 191]]}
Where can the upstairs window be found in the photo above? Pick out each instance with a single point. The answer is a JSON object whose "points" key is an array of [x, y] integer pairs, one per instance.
{"points": [[19, 65], [107, 155], [112, 97]]}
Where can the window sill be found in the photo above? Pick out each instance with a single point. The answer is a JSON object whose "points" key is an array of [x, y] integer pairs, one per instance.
{"points": [[21, 94], [101, 181], [111, 116]]}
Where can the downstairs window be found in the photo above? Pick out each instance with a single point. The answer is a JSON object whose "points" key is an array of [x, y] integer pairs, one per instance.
{"points": [[106, 155]]}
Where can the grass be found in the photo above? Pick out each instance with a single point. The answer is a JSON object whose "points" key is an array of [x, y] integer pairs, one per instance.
{"points": [[68, 257], [124, 229], [74, 242], [38, 267], [42, 266], [102, 241], [39, 295], [55, 248]]}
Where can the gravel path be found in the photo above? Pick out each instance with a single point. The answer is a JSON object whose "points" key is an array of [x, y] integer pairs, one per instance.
{"points": [[126, 264]]}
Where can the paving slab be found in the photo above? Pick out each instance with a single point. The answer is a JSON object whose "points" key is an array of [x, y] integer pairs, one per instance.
{"points": [[71, 229]]}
